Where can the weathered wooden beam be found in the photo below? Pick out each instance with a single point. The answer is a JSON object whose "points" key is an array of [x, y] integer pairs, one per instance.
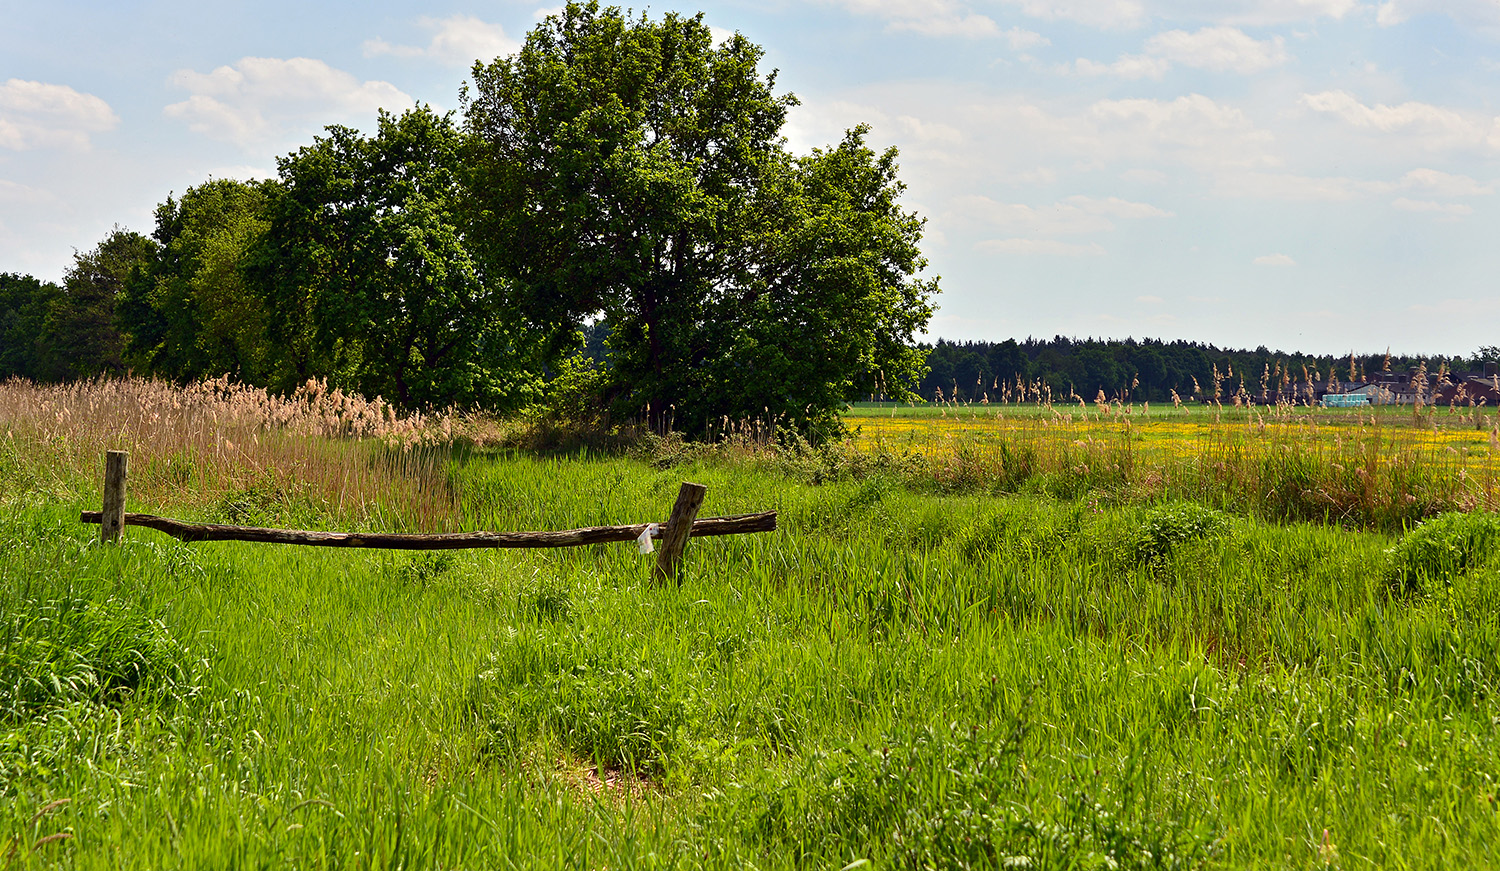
{"points": [[112, 518], [674, 537], [733, 525]]}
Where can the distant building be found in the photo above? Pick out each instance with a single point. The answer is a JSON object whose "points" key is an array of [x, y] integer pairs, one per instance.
{"points": [[1471, 390]]}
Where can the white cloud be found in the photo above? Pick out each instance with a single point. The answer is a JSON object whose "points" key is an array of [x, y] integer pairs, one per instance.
{"points": [[1258, 13], [1450, 210], [927, 17], [1293, 187], [1193, 130], [926, 131], [1473, 13], [1040, 175], [1076, 215], [1220, 49], [1116, 207], [1024, 40], [1129, 66], [1010, 139], [1150, 299], [14, 192], [1274, 260], [261, 98], [1445, 185], [458, 40], [41, 115], [1051, 247], [1433, 127], [1133, 13], [1094, 13], [1290, 186]]}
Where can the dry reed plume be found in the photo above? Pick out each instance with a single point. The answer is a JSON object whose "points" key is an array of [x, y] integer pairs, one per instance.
{"points": [[321, 452]]}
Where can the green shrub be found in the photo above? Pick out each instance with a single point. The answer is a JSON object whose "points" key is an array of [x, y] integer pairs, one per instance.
{"points": [[1171, 525], [1021, 531], [1442, 548]]}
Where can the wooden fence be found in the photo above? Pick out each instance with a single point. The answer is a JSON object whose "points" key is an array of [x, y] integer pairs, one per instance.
{"points": [[683, 524]]}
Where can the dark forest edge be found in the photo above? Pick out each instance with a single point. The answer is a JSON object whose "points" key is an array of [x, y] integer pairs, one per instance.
{"points": [[1154, 370]]}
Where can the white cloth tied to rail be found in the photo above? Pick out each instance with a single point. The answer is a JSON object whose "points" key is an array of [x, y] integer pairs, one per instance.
{"points": [[651, 531]]}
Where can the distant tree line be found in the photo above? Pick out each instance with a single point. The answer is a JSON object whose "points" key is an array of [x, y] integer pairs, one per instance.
{"points": [[615, 170], [1149, 370]]}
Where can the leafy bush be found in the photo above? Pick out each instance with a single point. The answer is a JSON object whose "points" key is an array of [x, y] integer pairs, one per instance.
{"points": [[1443, 548], [421, 570], [1171, 525]]}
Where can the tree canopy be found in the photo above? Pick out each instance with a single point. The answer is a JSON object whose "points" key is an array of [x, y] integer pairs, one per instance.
{"points": [[189, 314], [633, 170], [368, 280], [84, 335]]}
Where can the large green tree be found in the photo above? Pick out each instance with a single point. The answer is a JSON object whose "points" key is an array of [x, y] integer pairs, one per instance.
{"points": [[190, 314], [368, 281], [634, 170], [82, 336]]}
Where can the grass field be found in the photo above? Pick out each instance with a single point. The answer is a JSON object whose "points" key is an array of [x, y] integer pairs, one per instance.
{"points": [[982, 670], [1362, 468]]}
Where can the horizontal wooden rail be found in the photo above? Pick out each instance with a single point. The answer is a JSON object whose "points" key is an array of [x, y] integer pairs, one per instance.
{"points": [[733, 525]]}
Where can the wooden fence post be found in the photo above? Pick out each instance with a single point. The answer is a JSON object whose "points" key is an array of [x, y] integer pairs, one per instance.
{"points": [[679, 527], [112, 521]]}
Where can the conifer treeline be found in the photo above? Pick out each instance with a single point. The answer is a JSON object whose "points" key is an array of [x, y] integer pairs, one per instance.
{"points": [[1148, 369]]}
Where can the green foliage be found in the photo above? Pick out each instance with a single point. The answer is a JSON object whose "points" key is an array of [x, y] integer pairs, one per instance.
{"points": [[25, 304], [1148, 369], [1443, 548], [369, 281], [611, 709], [851, 687], [82, 336], [575, 395], [190, 314], [633, 169], [954, 797], [63, 651], [1169, 526]]}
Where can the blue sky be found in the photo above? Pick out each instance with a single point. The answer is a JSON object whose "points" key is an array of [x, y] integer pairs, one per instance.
{"points": [[1314, 175]]}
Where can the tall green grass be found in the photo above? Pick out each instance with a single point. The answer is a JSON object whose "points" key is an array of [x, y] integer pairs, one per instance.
{"points": [[906, 678]]}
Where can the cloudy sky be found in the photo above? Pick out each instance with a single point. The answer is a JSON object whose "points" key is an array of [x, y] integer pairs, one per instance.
{"points": [[1314, 175]]}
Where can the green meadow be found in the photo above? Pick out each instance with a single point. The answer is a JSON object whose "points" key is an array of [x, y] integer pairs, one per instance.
{"points": [[901, 676]]}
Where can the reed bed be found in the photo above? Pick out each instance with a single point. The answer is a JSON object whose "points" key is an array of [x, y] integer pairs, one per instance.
{"points": [[241, 453]]}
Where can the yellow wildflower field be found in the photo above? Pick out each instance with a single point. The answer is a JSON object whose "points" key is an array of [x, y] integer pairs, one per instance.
{"points": [[1380, 466]]}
